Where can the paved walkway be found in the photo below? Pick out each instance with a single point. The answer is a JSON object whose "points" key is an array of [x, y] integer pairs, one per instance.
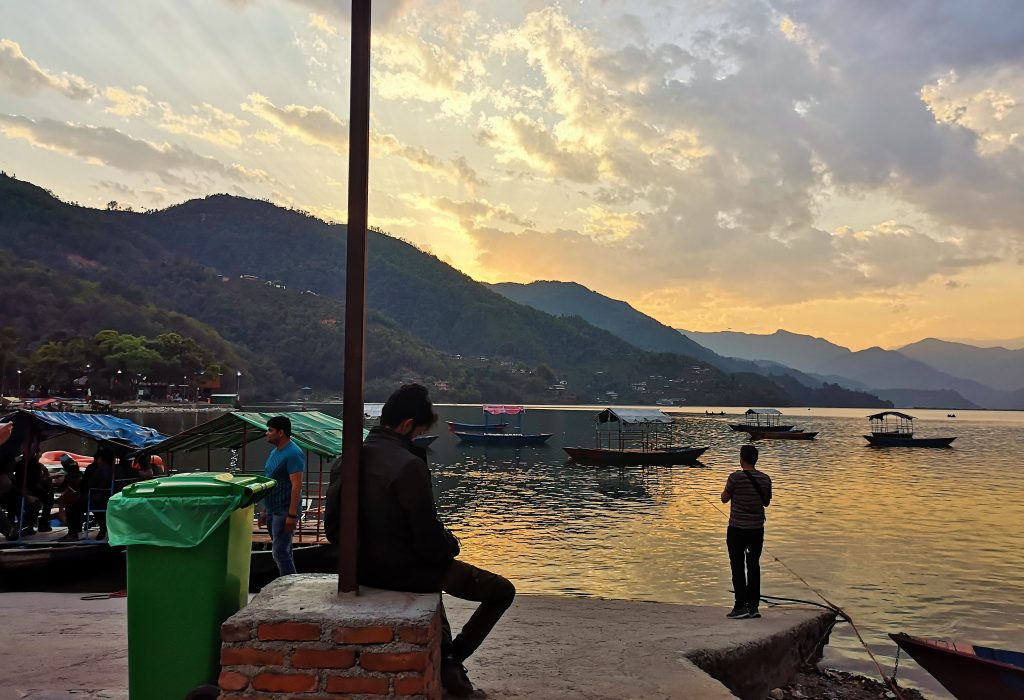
{"points": [[62, 648]]}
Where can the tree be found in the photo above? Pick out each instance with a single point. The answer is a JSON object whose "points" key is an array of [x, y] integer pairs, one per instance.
{"points": [[112, 205]]}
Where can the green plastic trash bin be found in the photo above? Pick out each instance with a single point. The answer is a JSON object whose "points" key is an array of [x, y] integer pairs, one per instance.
{"points": [[189, 540]]}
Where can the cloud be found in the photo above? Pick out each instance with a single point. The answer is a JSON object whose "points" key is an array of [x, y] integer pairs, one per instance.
{"points": [[110, 147], [385, 11], [128, 104], [23, 76], [312, 125], [206, 122], [987, 104], [456, 170]]}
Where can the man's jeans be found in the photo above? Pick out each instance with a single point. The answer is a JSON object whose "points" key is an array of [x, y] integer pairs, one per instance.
{"points": [[494, 592], [281, 543], [746, 544]]}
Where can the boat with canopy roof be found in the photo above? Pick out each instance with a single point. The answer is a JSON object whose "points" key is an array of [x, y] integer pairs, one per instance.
{"points": [[895, 429], [517, 438], [761, 420], [628, 437]]}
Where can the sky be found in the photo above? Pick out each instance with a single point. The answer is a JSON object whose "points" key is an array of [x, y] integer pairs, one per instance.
{"points": [[850, 169]]}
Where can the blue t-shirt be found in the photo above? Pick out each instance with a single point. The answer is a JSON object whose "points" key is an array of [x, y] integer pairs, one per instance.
{"points": [[280, 464]]}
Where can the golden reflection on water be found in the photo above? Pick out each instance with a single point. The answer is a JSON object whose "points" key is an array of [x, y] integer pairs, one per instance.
{"points": [[918, 540]]}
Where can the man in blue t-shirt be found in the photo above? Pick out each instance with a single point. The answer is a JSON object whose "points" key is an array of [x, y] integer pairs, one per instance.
{"points": [[281, 506]]}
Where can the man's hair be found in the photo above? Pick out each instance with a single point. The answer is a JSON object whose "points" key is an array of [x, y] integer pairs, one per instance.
{"points": [[748, 453], [104, 453], [409, 401], [282, 423]]}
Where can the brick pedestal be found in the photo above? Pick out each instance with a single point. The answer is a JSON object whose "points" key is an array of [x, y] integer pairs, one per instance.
{"points": [[299, 639]]}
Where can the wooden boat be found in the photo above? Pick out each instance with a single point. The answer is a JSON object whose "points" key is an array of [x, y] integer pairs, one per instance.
{"points": [[781, 435], [663, 456], [761, 420], [503, 439], [895, 429], [477, 427], [968, 671], [517, 438], [628, 437]]}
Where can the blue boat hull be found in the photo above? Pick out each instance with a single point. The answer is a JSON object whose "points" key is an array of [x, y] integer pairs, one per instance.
{"points": [[503, 439], [477, 427], [883, 441], [424, 440]]}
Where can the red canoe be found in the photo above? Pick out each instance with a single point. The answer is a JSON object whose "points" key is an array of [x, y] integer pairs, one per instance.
{"points": [[968, 671]]}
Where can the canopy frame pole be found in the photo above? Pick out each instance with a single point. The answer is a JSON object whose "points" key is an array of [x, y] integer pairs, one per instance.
{"points": [[355, 295]]}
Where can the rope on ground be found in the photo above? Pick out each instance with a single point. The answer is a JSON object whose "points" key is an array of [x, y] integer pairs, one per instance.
{"points": [[891, 682]]}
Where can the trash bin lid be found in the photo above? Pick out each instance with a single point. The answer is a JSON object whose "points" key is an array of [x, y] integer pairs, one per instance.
{"points": [[180, 510], [250, 487]]}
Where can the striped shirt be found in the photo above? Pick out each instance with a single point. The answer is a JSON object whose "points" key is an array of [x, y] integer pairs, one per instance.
{"points": [[747, 509]]}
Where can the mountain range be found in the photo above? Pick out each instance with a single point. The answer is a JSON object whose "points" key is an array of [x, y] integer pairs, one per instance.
{"points": [[264, 286], [930, 373]]}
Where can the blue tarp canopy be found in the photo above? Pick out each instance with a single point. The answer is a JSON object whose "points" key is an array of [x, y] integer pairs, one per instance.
{"points": [[100, 427]]}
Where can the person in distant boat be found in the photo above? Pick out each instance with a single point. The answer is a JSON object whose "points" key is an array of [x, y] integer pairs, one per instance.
{"points": [[403, 545], [147, 466], [32, 496], [96, 487], [280, 512], [749, 492]]}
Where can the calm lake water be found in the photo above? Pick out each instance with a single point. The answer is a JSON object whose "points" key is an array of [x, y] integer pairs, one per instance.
{"points": [[925, 541]]}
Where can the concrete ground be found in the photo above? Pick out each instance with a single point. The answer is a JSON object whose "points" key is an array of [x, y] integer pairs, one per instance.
{"points": [[60, 648]]}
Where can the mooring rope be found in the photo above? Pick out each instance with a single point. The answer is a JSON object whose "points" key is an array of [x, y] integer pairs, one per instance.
{"points": [[891, 682]]}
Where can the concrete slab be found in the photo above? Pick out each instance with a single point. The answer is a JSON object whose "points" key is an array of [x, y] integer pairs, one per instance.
{"points": [[63, 648]]}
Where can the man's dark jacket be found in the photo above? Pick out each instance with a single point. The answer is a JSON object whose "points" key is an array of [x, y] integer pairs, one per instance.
{"points": [[402, 544]]}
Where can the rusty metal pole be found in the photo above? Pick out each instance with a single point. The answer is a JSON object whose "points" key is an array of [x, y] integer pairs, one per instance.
{"points": [[355, 295]]}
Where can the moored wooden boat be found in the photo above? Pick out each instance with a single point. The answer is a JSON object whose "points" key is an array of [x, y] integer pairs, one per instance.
{"points": [[781, 435], [895, 429], [424, 440], [603, 456], [629, 437], [762, 420], [968, 671], [484, 434], [892, 441]]}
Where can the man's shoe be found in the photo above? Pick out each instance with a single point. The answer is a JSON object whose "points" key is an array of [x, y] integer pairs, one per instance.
{"points": [[753, 613], [454, 677], [738, 613], [45, 527]]}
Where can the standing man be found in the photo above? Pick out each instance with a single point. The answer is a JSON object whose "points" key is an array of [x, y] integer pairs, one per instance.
{"points": [[403, 545], [281, 506], [750, 492]]}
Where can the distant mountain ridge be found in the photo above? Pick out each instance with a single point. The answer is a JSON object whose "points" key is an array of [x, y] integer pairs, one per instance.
{"points": [[994, 367], [884, 371]]}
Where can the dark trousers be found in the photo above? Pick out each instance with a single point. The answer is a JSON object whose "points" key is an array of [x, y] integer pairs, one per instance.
{"points": [[745, 545], [494, 593]]}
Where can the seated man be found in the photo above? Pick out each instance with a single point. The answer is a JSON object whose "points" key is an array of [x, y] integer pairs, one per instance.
{"points": [[402, 544], [96, 487]]}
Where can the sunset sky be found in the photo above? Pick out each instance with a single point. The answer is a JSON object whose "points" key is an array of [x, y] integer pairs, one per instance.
{"points": [[848, 169]]}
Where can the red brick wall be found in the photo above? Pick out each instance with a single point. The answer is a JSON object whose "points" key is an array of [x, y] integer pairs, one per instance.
{"points": [[301, 659]]}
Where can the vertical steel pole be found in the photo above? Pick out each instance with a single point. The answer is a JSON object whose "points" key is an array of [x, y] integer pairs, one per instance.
{"points": [[355, 295]]}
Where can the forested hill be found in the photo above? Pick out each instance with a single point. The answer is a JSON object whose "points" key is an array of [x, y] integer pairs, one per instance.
{"points": [[429, 321]]}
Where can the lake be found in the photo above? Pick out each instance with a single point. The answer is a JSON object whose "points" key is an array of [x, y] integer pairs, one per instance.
{"points": [[924, 541]]}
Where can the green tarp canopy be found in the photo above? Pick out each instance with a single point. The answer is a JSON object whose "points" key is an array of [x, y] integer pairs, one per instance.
{"points": [[311, 430]]}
